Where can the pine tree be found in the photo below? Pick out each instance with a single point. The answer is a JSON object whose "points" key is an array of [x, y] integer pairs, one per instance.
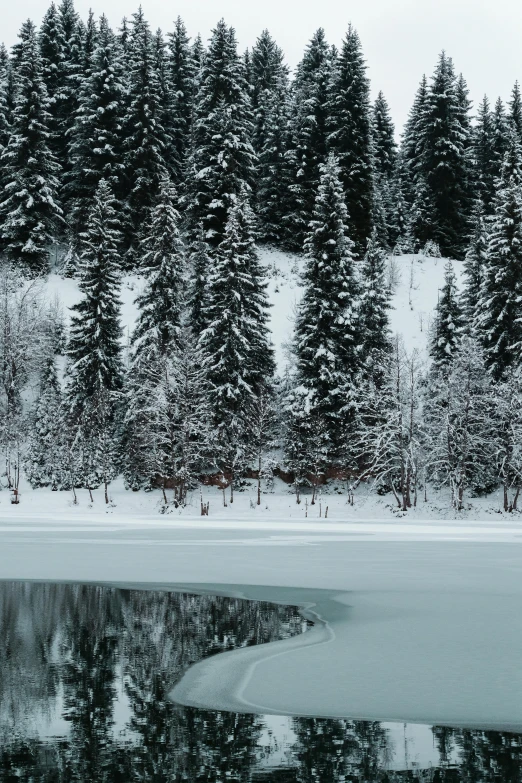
{"points": [[46, 462], [182, 76], [96, 138], [351, 136], [30, 214], [222, 160], [7, 102], [485, 164], [412, 142], [163, 261], [500, 322], [445, 163], [307, 142], [272, 180], [166, 104], [94, 346], [421, 214], [399, 221], [500, 135], [447, 333], [374, 310], [145, 139], [475, 266], [269, 83], [69, 78], [327, 333], [515, 111], [235, 345], [384, 145], [200, 265], [51, 51], [89, 44]]}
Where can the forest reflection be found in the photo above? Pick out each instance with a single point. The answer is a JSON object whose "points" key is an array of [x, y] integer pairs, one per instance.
{"points": [[85, 673]]}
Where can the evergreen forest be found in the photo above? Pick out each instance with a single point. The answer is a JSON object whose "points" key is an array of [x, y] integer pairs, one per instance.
{"points": [[127, 150]]}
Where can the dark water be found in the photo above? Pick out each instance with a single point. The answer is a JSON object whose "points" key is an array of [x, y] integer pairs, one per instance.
{"points": [[85, 673]]}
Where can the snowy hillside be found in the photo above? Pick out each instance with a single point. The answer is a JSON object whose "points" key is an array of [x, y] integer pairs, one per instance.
{"points": [[417, 283]]}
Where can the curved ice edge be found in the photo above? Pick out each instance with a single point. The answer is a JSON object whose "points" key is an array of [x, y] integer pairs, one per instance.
{"points": [[220, 682]]}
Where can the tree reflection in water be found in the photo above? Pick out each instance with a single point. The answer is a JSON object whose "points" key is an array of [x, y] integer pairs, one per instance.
{"points": [[85, 673]]}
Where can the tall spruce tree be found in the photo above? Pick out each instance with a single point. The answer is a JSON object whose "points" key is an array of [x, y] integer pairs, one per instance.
{"points": [[269, 80], [30, 215], [374, 311], [500, 135], [384, 144], [445, 162], [351, 136], [273, 175], [327, 332], [413, 137], [166, 104], [485, 165], [96, 138], [447, 331], [94, 348], [156, 340], [200, 269], [474, 267], [500, 322], [182, 81], [46, 462], [146, 141], [51, 51], [70, 76], [163, 263], [515, 110], [7, 101], [236, 346], [307, 139], [222, 160]]}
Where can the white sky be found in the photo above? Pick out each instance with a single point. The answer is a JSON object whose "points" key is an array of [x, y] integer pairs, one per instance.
{"points": [[401, 38]]}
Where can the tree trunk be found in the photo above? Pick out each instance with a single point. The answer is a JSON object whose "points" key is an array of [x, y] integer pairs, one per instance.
{"points": [[259, 482]]}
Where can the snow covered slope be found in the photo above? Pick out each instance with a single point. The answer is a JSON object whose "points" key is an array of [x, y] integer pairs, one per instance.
{"points": [[418, 281]]}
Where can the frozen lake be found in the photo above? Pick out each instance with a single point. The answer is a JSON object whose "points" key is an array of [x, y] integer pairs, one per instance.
{"points": [[415, 624], [86, 673]]}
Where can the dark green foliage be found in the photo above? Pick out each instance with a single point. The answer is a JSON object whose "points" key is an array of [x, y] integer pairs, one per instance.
{"points": [[182, 84], [222, 160], [444, 162], [163, 263], [351, 136], [384, 144], [327, 332], [29, 212], [500, 322], [374, 310], [447, 329], [145, 140], [94, 347], [515, 111], [307, 139], [200, 262], [486, 165], [475, 267], [96, 139], [235, 344]]}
